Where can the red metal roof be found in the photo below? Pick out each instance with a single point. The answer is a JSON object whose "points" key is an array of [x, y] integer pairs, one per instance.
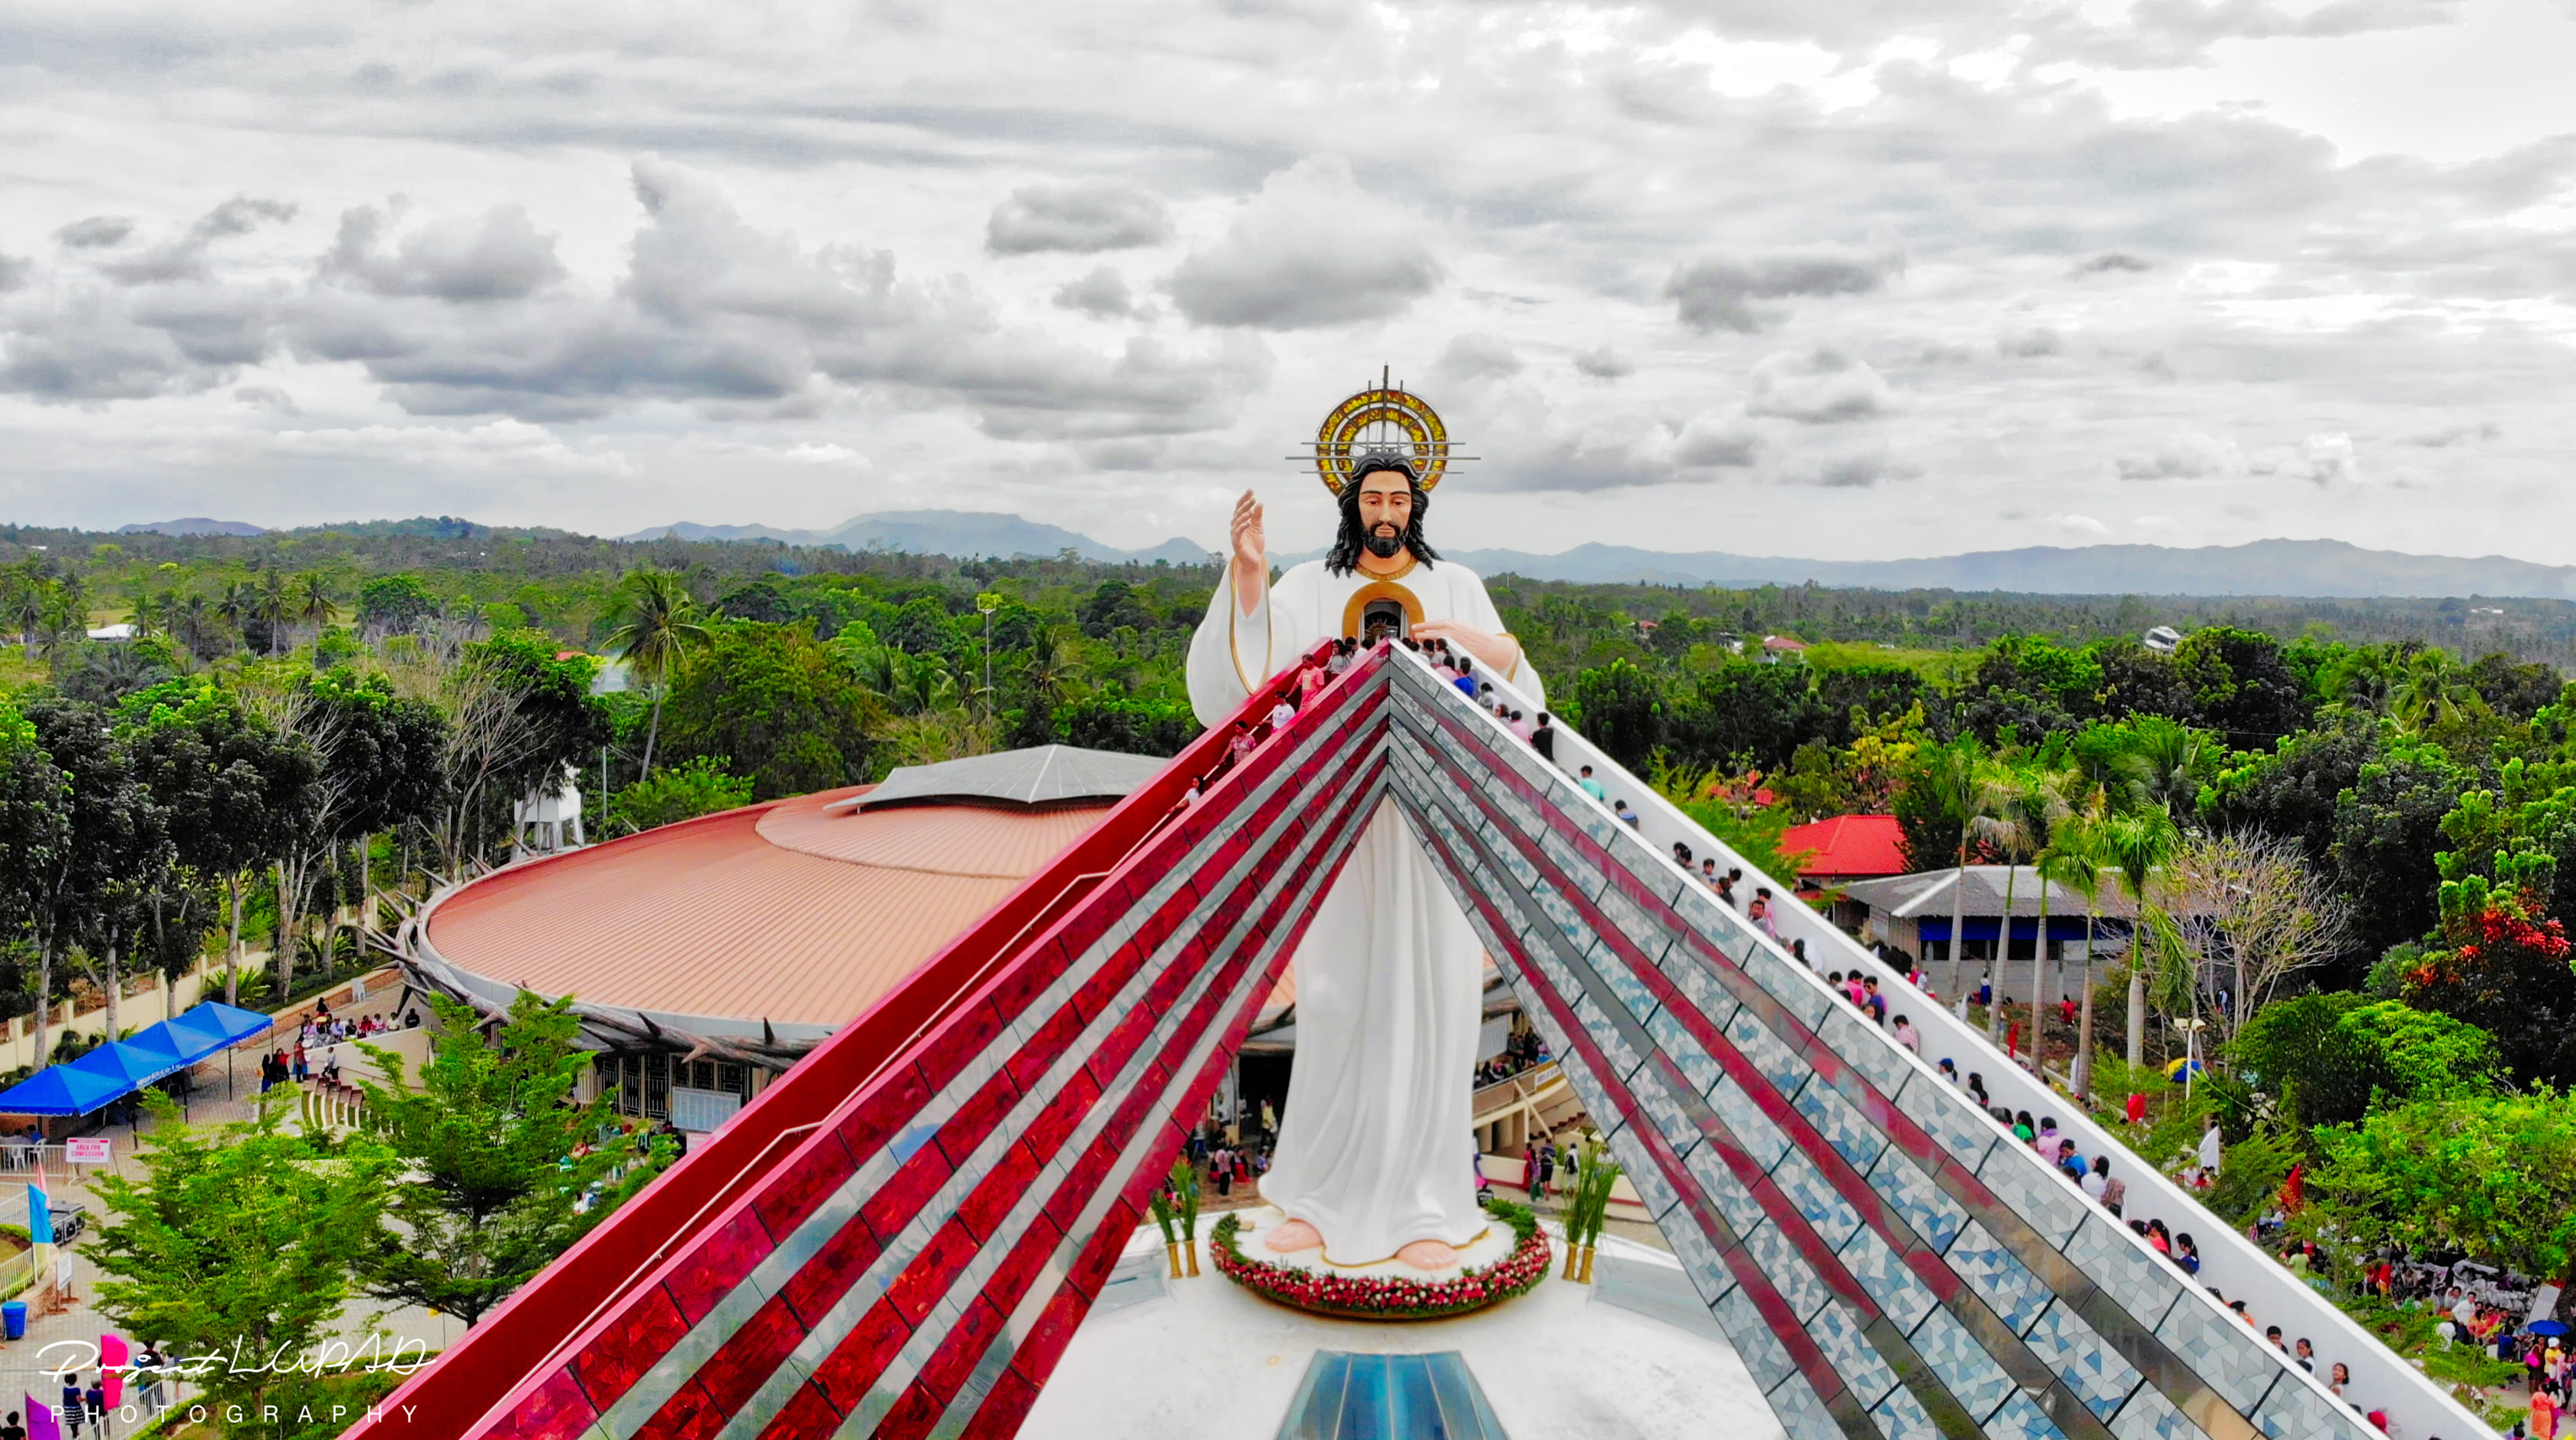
{"points": [[777, 911], [1848, 846]]}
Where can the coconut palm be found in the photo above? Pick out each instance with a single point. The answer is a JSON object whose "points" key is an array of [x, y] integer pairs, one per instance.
{"points": [[2043, 798], [1956, 778], [238, 604], [2073, 858], [2137, 845], [2168, 762], [313, 604], [2364, 677], [658, 630], [193, 622], [1052, 669], [29, 595], [2010, 827], [2432, 688], [275, 606]]}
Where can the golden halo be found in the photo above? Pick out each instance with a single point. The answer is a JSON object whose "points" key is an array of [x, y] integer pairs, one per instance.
{"points": [[1345, 436]]}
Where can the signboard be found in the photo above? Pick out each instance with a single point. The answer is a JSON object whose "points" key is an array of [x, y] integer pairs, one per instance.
{"points": [[86, 1152]]}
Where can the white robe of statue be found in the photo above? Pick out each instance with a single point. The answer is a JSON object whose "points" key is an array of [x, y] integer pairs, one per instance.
{"points": [[1375, 1145]]}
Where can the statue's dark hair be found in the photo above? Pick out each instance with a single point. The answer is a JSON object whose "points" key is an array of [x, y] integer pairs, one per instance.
{"points": [[1344, 557]]}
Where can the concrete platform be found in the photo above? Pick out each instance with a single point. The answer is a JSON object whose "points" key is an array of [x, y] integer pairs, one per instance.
{"points": [[1208, 1357]]}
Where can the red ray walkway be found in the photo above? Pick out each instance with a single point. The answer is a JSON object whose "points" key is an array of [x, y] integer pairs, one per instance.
{"points": [[899, 1237]]}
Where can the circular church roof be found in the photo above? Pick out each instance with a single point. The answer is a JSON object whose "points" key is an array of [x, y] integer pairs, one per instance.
{"points": [[770, 926]]}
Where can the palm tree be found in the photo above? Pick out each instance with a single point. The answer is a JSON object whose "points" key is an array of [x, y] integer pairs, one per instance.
{"points": [[2074, 859], [659, 629], [1954, 777], [2364, 677], [238, 603], [192, 622], [2042, 798], [66, 619], [312, 601], [74, 599], [2016, 817], [274, 607], [2431, 689], [1052, 668], [2168, 761], [28, 596], [2138, 845]]}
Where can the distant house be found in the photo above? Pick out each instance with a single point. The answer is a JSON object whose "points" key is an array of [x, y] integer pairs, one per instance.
{"points": [[2162, 639], [110, 634], [1841, 849], [1776, 648], [1912, 913]]}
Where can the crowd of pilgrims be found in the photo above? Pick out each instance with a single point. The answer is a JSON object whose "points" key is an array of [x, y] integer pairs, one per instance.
{"points": [[323, 1031]]}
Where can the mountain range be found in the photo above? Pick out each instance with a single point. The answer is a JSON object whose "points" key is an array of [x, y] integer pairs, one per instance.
{"points": [[192, 525], [942, 532], [2319, 569], [2305, 568]]}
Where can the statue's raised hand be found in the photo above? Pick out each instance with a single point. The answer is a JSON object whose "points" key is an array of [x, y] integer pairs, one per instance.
{"points": [[1251, 567]]}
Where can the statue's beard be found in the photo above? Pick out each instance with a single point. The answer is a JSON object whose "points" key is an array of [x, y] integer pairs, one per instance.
{"points": [[1384, 541]]}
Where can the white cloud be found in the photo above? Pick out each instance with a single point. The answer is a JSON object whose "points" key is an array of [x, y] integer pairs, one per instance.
{"points": [[493, 445], [1312, 249], [1720, 293], [2332, 460], [1101, 292], [1603, 362], [1475, 357], [2084, 525], [2181, 457], [1818, 387], [2046, 271], [1083, 219]]}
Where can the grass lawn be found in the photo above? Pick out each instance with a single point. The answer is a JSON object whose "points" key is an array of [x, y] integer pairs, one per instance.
{"points": [[1939, 666]]}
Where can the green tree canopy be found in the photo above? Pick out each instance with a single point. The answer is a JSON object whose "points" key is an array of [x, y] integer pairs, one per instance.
{"points": [[239, 1239], [775, 704], [395, 604], [2328, 1059], [495, 1159], [697, 786], [1621, 709], [2491, 1175]]}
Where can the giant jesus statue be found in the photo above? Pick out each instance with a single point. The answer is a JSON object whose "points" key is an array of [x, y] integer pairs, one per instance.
{"points": [[1373, 1152]]}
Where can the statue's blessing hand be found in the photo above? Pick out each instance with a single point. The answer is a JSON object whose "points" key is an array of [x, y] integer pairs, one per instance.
{"points": [[1248, 541], [1251, 558]]}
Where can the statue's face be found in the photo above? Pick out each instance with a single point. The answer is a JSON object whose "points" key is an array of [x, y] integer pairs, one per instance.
{"points": [[1386, 511]]}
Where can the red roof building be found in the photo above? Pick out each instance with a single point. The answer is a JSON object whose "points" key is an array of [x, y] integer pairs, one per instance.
{"points": [[1846, 848]]}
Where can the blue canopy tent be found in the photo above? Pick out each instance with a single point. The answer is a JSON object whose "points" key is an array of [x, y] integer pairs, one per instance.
{"points": [[60, 1090], [129, 1065], [118, 1068], [158, 1049], [213, 1026]]}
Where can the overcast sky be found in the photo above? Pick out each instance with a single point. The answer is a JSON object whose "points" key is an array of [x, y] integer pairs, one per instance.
{"points": [[1863, 279]]}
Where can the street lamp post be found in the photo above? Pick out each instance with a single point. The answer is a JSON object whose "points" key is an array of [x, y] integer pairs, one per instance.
{"points": [[987, 603], [2190, 1051]]}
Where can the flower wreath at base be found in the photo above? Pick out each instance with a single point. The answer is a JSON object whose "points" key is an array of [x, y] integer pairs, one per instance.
{"points": [[1389, 1297]]}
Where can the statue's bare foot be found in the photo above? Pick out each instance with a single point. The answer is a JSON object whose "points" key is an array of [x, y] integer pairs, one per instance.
{"points": [[1429, 1255], [1293, 1236]]}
